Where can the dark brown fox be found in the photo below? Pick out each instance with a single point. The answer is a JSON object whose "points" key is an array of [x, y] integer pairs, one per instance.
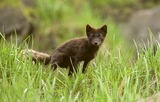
{"points": [[74, 51]]}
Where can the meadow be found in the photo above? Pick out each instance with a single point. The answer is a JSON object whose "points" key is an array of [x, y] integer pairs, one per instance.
{"points": [[113, 76], [120, 73]]}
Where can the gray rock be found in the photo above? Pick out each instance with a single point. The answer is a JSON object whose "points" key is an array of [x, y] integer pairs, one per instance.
{"points": [[12, 20], [30, 3], [140, 25]]}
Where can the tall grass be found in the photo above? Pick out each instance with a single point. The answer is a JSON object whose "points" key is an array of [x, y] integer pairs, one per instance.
{"points": [[114, 76], [111, 77]]}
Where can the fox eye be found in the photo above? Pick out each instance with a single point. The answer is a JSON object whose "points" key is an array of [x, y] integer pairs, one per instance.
{"points": [[100, 35], [91, 35]]}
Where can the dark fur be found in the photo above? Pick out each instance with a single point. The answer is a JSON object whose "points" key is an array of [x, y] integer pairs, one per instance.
{"points": [[74, 51]]}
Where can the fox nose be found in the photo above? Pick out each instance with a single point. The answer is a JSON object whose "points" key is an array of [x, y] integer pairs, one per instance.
{"points": [[96, 43]]}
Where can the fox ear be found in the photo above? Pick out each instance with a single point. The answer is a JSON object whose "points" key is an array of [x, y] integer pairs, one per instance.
{"points": [[88, 28], [104, 28]]}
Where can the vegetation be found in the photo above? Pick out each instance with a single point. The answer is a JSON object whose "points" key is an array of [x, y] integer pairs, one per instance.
{"points": [[114, 75]]}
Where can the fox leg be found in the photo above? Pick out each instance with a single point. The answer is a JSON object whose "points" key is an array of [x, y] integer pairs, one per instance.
{"points": [[70, 71], [54, 66], [84, 66], [56, 59], [73, 67]]}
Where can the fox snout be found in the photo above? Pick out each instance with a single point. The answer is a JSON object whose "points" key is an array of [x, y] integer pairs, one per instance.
{"points": [[96, 42]]}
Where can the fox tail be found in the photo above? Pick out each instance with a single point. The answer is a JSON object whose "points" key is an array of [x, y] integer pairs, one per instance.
{"points": [[37, 56]]}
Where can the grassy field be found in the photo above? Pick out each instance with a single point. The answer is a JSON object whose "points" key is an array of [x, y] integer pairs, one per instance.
{"points": [[113, 76], [117, 74]]}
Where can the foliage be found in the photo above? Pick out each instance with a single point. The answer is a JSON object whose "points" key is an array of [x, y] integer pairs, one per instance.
{"points": [[113, 76]]}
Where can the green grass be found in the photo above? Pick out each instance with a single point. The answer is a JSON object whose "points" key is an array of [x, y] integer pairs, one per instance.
{"points": [[112, 76]]}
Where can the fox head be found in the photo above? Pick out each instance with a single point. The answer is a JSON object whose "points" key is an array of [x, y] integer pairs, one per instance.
{"points": [[96, 36]]}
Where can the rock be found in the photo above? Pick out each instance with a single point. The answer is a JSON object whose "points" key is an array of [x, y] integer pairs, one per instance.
{"points": [[29, 3], [12, 20], [140, 24]]}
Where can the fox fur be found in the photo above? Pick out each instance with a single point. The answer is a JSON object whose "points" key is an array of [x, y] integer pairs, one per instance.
{"points": [[74, 51]]}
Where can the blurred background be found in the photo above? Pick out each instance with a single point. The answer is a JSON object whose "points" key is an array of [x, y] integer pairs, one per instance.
{"points": [[51, 22]]}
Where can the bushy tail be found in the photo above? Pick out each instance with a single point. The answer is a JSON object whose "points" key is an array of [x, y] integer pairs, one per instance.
{"points": [[38, 56]]}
